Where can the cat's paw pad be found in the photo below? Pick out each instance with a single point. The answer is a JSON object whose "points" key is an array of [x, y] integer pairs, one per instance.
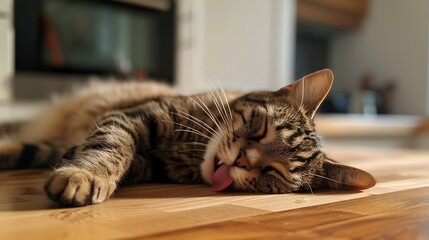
{"points": [[77, 187]]}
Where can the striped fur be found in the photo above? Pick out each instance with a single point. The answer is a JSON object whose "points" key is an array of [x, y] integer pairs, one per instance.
{"points": [[140, 132]]}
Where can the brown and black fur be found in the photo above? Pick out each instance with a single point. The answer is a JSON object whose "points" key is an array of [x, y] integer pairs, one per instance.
{"points": [[140, 132]]}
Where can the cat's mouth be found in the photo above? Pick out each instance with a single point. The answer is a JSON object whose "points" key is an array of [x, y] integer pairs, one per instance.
{"points": [[216, 163], [221, 177]]}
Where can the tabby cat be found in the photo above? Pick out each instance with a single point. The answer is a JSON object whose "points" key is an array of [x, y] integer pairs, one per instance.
{"points": [[138, 132]]}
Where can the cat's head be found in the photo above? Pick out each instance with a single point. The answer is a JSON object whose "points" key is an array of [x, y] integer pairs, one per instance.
{"points": [[268, 143]]}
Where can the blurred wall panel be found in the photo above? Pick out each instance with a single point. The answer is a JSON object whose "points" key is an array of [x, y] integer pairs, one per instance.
{"points": [[243, 44], [393, 44], [6, 49]]}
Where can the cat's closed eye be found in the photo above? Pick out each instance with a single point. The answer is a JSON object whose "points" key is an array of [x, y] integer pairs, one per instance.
{"points": [[260, 133], [270, 169]]}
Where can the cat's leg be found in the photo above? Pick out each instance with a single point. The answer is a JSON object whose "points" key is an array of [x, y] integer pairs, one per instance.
{"points": [[15, 154], [89, 173]]}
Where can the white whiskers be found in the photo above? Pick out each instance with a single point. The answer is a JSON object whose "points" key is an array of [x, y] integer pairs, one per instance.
{"points": [[329, 179], [308, 184], [191, 143], [218, 120], [197, 121], [208, 112], [227, 104], [194, 132], [220, 102], [188, 129], [219, 108]]}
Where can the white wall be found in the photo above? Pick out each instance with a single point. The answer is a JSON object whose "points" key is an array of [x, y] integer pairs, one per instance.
{"points": [[243, 44], [392, 43], [6, 49]]}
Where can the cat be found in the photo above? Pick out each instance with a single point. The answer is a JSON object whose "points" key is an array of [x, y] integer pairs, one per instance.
{"points": [[262, 141]]}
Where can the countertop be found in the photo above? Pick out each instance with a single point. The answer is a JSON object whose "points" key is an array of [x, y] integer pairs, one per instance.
{"points": [[19, 111], [358, 125]]}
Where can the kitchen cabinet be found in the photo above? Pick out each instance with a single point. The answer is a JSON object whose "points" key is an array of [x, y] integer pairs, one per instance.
{"points": [[337, 14]]}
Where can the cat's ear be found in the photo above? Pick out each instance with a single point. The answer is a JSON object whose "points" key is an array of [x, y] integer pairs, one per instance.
{"points": [[339, 177], [309, 91]]}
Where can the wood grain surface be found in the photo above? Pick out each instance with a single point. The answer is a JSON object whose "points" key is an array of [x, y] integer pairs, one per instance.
{"points": [[396, 208]]}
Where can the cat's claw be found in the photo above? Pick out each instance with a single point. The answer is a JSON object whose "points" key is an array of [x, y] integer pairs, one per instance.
{"points": [[76, 187]]}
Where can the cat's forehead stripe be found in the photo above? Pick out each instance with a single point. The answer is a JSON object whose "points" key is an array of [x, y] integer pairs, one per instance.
{"points": [[286, 133], [305, 155], [255, 99], [296, 164]]}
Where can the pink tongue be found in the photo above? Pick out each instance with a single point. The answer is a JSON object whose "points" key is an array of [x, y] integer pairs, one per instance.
{"points": [[221, 178]]}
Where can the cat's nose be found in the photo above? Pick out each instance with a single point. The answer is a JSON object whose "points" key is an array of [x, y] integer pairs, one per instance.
{"points": [[242, 161]]}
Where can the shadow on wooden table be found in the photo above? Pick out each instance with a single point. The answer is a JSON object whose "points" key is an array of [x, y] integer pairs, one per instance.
{"points": [[22, 190]]}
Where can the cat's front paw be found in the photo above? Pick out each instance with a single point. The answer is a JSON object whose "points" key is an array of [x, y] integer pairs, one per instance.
{"points": [[77, 187]]}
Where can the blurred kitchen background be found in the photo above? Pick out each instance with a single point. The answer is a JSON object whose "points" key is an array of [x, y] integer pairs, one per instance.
{"points": [[378, 50]]}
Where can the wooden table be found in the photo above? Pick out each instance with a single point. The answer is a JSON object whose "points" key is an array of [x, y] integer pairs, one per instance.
{"points": [[396, 208]]}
